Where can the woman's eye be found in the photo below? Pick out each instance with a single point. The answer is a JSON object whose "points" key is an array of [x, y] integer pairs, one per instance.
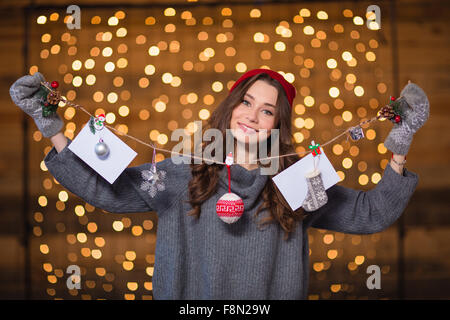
{"points": [[265, 111]]}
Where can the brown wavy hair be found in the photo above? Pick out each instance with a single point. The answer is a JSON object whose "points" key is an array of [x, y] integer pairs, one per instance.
{"points": [[205, 177]]}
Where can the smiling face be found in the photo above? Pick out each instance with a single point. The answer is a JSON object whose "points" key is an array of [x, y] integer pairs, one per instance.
{"points": [[256, 114]]}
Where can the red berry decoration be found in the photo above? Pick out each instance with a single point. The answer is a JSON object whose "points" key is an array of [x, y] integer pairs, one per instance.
{"points": [[397, 119], [46, 104], [392, 98], [55, 84]]}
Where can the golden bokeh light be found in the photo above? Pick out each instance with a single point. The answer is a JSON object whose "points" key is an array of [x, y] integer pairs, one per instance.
{"points": [[359, 91], [331, 63], [299, 109], [338, 149], [333, 92], [92, 227], [346, 56], [120, 33], [328, 238], [128, 265], [299, 122], [335, 288], [44, 248], [41, 20], [100, 241], [376, 177], [363, 179], [318, 266], [309, 123], [304, 12], [347, 116], [309, 101], [350, 78], [81, 237], [332, 254], [204, 114], [362, 166], [357, 20], [370, 56], [371, 134], [55, 49], [280, 46], [79, 210], [153, 51], [117, 225], [381, 148], [347, 163], [110, 66], [322, 15], [91, 79], [354, 151], [255, 13], [241, 67], [42, 200], [338, 121], [298, 137], [137, 230], [359, 260]]}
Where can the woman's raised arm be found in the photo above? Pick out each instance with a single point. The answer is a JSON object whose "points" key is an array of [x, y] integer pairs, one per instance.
{"points": [[134, 190], [80, 179], [59, 141], [365, 212], [397, 163]]}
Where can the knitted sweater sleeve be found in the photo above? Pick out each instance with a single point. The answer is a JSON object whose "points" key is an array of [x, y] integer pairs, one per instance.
{"points": [[129, 193], [366, 212]]}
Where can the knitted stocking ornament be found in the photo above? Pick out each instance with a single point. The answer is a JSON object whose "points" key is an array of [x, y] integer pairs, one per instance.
{"points": [[316, 197]]}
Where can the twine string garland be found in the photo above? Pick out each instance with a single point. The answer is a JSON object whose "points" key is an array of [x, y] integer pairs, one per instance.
{"points": [[346, 131]]}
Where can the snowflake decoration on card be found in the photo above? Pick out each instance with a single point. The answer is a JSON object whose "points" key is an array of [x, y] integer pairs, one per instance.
{"points": [[153, 181]]}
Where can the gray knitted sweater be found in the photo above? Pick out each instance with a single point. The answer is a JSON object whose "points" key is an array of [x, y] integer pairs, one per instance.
{"points": [[209, 259]]}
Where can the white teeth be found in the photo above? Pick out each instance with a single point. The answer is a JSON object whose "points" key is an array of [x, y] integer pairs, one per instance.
{"points": [[249, 129]]}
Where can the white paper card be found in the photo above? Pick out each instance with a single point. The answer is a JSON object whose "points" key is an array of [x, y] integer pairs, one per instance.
{"points": [[292, 181], [120, 154]]}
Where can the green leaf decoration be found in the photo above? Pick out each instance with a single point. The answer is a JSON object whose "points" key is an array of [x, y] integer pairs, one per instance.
{"points": [[43, 92], [91, 125], [51, 108], [48, 110], [396, 108]]}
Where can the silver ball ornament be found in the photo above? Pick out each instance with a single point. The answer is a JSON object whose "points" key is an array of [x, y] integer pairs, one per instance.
{"points": [[102, 150]]}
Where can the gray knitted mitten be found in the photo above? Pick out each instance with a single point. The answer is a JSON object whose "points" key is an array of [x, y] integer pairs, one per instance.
{"points": [[316, 197], [416, 110], [24, 94]]}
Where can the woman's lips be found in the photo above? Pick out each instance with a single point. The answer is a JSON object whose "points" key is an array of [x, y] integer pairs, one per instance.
{"points": [[246, 129]]}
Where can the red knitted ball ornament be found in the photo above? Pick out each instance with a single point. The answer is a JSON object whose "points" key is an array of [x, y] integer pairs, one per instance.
{"points": [[230, 207]]}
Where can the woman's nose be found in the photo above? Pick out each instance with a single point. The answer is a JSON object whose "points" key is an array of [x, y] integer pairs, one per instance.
{"points": [[252, 115]]}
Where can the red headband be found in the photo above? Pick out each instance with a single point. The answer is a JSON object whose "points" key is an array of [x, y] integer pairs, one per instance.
{"points": [[289, 89]]}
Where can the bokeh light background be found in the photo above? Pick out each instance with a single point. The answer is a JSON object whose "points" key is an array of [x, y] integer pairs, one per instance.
{"points": [[155, 69]]}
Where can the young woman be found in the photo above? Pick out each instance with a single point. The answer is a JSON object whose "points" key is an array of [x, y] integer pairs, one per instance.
{"points": [[264, 255]]}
